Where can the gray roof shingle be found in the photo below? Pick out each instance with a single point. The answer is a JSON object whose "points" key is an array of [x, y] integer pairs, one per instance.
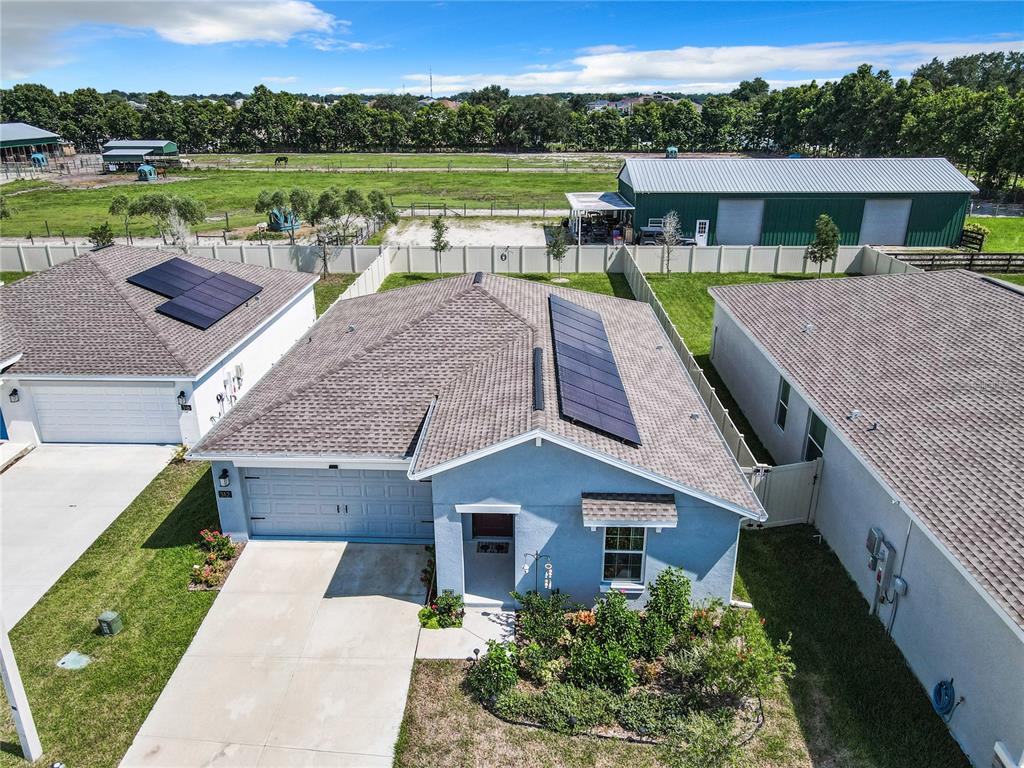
{"points": [[82, 318], [937, 359], [372, 366], [626, 508], [868, 175]]}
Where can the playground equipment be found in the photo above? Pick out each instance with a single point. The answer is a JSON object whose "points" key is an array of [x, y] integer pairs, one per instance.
{"points": [[283, 221], [147, 172]]}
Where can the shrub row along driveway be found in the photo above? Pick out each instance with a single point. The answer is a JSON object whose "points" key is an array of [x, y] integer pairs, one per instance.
{"points": [[304, 659]]}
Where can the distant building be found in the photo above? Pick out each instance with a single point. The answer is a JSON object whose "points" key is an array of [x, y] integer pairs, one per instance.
{"points": [[625, 106], [135, 152], [19, 141]]}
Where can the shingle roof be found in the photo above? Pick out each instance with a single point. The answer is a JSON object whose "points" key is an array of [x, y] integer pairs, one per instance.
{"points": [[937, 360], [24, 132], [372, 366], [625, 508], [867, 175], [82, 317]]}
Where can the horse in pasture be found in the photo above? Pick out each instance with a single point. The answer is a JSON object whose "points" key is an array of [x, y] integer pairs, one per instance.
{"points": [[281, 160], [161, 173]]}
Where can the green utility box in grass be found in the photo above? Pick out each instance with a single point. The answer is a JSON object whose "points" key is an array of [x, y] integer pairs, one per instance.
{"points": [[110, 623]]}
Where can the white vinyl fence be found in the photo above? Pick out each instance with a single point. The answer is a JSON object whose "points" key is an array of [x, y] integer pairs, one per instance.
{"points": [[372, 278], [354, 259], [871, 261], [789, 492]]}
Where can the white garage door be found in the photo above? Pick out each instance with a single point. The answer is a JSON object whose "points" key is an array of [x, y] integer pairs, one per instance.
{"points": [[885, 222], [113, 412], [347, 503], [739, 222]]}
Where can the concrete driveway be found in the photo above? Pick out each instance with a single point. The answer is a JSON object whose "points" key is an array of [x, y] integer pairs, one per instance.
{"points": [[55, 502], [303, 660]]}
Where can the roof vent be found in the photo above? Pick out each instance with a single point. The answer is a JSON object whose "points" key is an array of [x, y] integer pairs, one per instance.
{"points": [[350, 329], [853, 415], [809, 328], [478, 278], [695, 416]]}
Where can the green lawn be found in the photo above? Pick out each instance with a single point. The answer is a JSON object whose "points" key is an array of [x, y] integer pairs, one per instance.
{"points": [[76, 211], [686, 299], [440, 160], [139, 567], [847, 719], [1015, 279], [10, 277], [1006, 233], [596, 282], [328, 289]]}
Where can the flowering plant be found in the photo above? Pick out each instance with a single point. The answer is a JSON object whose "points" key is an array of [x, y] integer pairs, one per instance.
{"points": [[216, 543]]}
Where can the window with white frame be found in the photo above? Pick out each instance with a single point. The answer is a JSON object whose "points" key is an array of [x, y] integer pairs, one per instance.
{"points": [[782, 406], [624, 554], [816, 433]]}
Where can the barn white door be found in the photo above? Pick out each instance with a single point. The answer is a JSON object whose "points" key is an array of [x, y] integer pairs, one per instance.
{"points": [[739, 222], [885, 222], [343, 503], [106, 412]]}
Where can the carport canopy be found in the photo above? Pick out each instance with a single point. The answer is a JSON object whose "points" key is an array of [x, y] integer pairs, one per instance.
{"points": [[596, 202]]}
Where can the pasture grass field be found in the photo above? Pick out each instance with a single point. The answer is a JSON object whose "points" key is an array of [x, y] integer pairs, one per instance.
{"points": [[76, 211], [1006, 233], [439, 160]]}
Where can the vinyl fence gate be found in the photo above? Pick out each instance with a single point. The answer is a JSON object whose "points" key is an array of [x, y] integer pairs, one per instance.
{"points": [[788, 492]]}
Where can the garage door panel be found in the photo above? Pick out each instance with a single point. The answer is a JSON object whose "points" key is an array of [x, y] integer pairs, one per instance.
{"points": [[109, 412], [739, 222], [346, 503], [885, 222]]}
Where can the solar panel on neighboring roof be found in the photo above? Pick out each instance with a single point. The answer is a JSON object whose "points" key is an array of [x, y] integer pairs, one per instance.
{"points": [[171, 278], [590, 390], [210, 300]]}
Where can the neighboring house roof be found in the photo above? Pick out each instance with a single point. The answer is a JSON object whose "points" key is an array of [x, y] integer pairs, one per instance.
{"points": [[22, 133], [937, 360], [372, 367], [82, 317], [603, 509], [891, 175]]}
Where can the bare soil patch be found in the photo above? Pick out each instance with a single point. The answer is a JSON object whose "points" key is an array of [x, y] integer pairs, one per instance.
{"points": [[475, 231]]}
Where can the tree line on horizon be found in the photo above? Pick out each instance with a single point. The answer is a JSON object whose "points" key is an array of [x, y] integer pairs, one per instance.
{"points": [[969, 110]]}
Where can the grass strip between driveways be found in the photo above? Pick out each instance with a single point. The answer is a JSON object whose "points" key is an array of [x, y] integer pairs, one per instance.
{"points": [[140, 568]]}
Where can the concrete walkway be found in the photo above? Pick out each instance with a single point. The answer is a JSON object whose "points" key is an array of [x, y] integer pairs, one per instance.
{"points": [[55, 502], [303, 660]]}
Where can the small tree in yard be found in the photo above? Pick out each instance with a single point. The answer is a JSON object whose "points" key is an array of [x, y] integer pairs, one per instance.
{"points": [[335, 216], [673, 235], [557, 250], [160, 207], [439, 240], [381, 209], [101, 235], [826, 242], [120, 205]]}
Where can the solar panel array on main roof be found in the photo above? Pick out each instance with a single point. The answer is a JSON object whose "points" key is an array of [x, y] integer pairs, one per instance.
{"points": [[171, 278], [590, 390], [197, 296]]}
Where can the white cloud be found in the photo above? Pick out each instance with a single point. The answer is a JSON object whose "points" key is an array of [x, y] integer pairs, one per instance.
{"points": [[710, 68], [336, 44], [278, 79], [35, 34]]}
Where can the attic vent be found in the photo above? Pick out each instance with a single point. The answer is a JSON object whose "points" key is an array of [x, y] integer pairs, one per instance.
{"points": [[478, 278], [538, 379]]}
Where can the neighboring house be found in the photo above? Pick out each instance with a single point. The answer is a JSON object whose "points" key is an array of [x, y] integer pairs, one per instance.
{"points": [[462, 413], [18, 141], [914, 201], [90, 357], [138, 151], [909, 387]]}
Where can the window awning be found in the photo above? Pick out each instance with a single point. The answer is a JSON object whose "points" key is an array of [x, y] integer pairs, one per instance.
{"points": [[597, 201], [637, 510]]}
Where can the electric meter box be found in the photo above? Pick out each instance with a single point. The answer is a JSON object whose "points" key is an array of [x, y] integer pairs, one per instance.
{"points": [[875, 539], [110, 623], [884, 568]]}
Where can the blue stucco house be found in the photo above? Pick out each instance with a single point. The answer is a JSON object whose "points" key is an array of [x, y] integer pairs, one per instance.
{"points": [[539, 437]]}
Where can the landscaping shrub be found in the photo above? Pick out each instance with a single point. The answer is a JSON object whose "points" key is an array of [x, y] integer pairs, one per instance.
{"points": [[670, 599], [616, 623], [101, 235], [568, 709], [703, 741], [977, 229], [210, 574], [652, 714], [494, 674], [656, 635], [606, 666], [542, 620], [265, 235], [447, 610], [537, 665], [217, 543]]}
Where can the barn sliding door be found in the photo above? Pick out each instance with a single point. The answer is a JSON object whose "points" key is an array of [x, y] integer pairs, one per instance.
{"points": [[885, 222]]}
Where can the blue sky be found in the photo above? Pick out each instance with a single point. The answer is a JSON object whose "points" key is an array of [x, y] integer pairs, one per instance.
{"points": [[321, 47]]}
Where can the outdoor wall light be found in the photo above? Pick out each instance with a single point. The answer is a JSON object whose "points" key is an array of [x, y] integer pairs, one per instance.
{"points": [[182, 400], [14, 396], [223, 479]]}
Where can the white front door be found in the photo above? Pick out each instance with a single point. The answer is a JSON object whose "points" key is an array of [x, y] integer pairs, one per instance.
{"points": [[106, 412], [884, 222], [700, 231], [343, 503]]}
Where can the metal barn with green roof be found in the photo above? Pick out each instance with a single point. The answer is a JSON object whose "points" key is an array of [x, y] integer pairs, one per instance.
{"points": [[19, 141], [879, 201]]}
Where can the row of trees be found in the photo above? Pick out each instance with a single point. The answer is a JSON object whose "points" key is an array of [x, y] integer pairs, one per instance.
{"points": [[970, 110]]}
